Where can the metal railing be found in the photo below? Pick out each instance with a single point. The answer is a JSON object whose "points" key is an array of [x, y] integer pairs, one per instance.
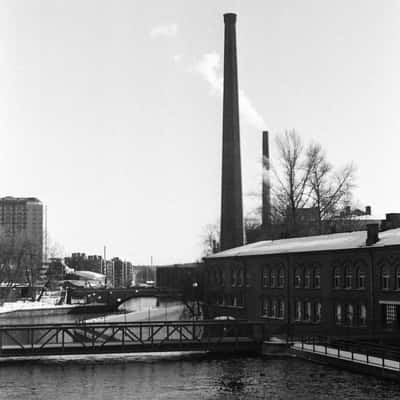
{"points": [[47, 339], [364, 352]]}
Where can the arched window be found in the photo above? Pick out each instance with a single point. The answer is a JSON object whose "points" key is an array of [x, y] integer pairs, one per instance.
{"points": [[317, 278], [385, 278], [233, 277], [362, 314], [318, 310], [348, 277], [361, 278], [265, 307], [307, 311], [273, 278], [274, 309], [297, 278], [307, 278], [281, 309], [299, 309], [221, 277], [338, 314], [240, 277], [266, 277], [398, 278], [349, 314], [216, 277], [337, 277], [234, 301], [281, 278]]}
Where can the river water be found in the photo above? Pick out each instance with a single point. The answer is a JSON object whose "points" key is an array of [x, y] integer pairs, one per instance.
{"points": [[180, 376], [185, 377]]}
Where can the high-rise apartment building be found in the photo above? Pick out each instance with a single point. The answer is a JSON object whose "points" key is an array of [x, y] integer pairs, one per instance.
{"points": [[21, 218]]}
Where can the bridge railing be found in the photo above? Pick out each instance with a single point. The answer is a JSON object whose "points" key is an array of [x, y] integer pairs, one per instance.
{"points": [[362, 351], [95, 337]]}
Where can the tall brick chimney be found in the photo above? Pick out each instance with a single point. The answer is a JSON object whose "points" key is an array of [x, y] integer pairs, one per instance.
{"points": [[231, 204], [266, 185]]}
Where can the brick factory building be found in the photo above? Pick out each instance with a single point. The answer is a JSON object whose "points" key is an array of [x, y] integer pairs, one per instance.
{"points": [[337, 284]]}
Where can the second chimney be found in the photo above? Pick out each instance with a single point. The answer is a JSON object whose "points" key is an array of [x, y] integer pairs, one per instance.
{"points": [[266, 184], [372, 234]]}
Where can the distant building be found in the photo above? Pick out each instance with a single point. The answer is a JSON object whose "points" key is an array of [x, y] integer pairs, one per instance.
{"points": [[119, 274], [183, 278], [81, 262], [22, 218]]}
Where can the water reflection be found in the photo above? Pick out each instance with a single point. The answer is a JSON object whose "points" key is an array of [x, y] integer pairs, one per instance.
{"points": [[185, 377]]}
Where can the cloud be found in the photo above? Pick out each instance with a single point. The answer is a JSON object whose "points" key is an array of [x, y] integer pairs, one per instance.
{"points": [[210, 68], [177, 58], [164, 31]]}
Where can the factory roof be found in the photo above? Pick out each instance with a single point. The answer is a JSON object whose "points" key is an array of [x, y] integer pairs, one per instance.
{"points": [[335, 241]]}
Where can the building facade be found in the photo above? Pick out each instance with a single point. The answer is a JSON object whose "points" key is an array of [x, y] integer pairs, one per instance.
{"points": [[21, 219], [334, 285]]}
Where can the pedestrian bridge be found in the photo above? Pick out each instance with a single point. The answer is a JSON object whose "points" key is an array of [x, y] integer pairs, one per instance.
{"points": [[132, 337]]}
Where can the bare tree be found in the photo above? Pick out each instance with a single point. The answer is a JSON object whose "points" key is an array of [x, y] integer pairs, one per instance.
{"points": [[210, 239], [292, 190], [20, 260], [328, 188]]}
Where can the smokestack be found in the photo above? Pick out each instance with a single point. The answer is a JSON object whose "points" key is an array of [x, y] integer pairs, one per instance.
{"points": [[266, 184], [372, 234], [231, 202]]}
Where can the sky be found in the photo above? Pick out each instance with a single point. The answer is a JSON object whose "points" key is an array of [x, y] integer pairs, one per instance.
{"points": [[111, 111]]}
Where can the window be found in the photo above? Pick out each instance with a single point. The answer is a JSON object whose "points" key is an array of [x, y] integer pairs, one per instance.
{"points": [[297, 278], [307, 311], [385, 278], [398, 278], [281, 278], [298, 309], [307, 278], [317, 278], [338, 314], [273, 279], [240, 300], [240, 277], [361, 278], [281, 309], [233, 277], [318, 309], [265, 307], [234, 301], [221, 277], [362, 314], [336, 278], [349, 314], [348, 277], [274, 309], [390, 314], [216, 276], [266, 277]]}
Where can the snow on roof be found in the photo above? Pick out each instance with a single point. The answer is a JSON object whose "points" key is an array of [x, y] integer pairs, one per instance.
{"points": [[335, 241]]}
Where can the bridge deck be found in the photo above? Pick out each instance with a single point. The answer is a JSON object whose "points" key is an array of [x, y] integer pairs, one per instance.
{"points": [[63, 339]]}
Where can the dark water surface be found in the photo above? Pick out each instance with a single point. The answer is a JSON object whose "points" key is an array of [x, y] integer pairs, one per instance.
{"points": [[177, 377]]}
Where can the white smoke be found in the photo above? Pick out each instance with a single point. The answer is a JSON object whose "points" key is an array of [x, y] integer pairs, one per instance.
{"points": [[210, 68], [164, 30]]}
